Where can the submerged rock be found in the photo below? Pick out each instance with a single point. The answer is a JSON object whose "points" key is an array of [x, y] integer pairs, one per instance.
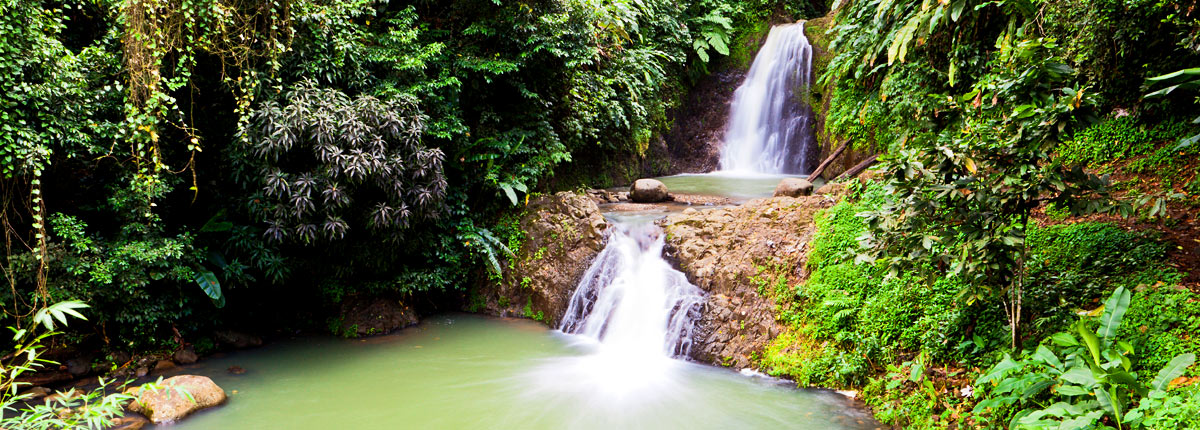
{"points": [[742, 256], [563, 233], [648, 191], [793, 187], [167, 404]]}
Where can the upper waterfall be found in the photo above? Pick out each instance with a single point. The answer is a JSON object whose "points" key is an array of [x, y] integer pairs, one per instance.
{"points": [[770, 122]]}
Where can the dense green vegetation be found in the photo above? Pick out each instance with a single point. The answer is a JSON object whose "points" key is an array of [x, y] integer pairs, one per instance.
{"points": [[182, 166], [936, 289], [176, 164], [186, 166], [852, 325]]}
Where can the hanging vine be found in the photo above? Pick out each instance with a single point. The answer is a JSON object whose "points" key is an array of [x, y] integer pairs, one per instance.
{"points": [[160, 42]]}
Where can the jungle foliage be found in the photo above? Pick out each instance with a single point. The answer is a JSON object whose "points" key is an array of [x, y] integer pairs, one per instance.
{"points": [[984, 112], [176, 163]]}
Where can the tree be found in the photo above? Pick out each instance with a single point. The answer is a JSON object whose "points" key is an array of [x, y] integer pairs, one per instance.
{"points": [[959, 201], [322, 150]]}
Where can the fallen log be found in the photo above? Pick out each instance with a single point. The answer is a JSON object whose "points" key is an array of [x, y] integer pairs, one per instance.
{"points": [[858, 168], [816, 173]]}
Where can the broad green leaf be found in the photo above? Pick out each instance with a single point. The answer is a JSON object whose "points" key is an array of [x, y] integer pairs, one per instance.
{"points": [[1080, 375], [916, 372], [1071, 390], [1190, 72], [1047, 356], [1036, 388], [956, 9], [1114, 311], [508, 191], [998, 371], [1174, 369], [1089, 339], [1064, 339], [208, 282]]}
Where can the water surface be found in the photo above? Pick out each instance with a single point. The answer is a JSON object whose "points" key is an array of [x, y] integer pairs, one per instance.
{"points": [[472, 372], [739, 187]]}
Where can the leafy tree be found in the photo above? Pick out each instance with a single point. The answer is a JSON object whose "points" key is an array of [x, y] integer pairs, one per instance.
{"points": [[329, 161], [959, 200]]}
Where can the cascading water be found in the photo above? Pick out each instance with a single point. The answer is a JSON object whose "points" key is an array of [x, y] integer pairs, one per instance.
{"points": [[634, 315], [770, 123], [631, 300]]}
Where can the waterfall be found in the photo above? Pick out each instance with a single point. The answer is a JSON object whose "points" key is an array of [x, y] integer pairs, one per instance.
{"points": [[770, 123], [631, 300]]}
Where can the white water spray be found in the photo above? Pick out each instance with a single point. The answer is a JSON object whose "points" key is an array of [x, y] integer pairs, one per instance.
{"points": [[631, 300], [770, 123]]}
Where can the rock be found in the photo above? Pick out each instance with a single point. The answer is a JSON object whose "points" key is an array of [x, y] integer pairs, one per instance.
{"points": [[164, 365], [237, 339], [236, 370], [835, 189], [185, 356], [142, 371], [166, 404], [722, 250], [648, 191], [129, 422], [603, 196], [79, 366], [793, 187], [63, 396], [363, 316], [121, 357], [563, 233], [35, 393]]}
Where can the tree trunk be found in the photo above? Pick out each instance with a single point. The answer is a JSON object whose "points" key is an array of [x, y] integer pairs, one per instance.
{"points": [[858, 168], [816, 173]]}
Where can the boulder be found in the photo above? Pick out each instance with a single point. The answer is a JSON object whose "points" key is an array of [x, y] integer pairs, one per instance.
{"points": [[648, 191], [793, 187], [129, 422], [162, 365], [79, 366], [167, 404], [834, 189], [35, 393], [365, 316], [237, 339], [185, 356]]}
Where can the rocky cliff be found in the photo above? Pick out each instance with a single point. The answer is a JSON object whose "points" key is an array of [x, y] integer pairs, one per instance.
{"points": [[742, 256], [563, 233]]}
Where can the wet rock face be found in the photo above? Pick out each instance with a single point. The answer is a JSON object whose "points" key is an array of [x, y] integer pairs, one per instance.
{"points": [[167, 404], [563, 234], [698, 125], [742, 256]]}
